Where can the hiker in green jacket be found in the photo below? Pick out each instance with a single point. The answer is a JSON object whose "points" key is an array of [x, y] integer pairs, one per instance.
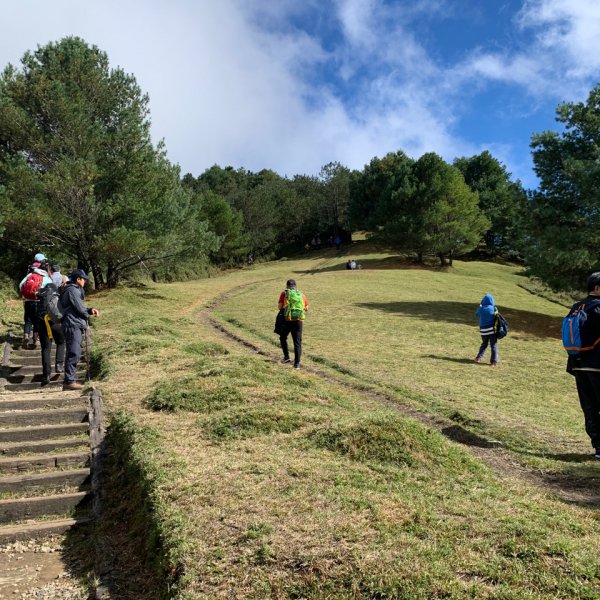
{"points": [[293, 304]]}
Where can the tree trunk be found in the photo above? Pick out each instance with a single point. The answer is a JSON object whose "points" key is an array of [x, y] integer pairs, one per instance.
{"points": [[112, 276], [450, 256], [442, 260], [98, 277]]}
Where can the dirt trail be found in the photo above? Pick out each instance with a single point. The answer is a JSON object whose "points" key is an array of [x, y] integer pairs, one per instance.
{"points": [[574, 491]]}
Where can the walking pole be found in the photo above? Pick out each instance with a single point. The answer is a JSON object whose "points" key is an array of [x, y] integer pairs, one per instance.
{"points": [[87, 354]]}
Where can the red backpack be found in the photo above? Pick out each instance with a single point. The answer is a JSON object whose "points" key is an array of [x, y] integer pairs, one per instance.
{"points": [[31, 286]]}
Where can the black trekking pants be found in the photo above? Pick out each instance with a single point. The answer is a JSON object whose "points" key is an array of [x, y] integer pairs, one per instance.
{"points": [[46, 344], [588, 388], [295, 328]]}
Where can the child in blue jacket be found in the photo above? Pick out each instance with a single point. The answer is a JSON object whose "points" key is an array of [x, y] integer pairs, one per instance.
{"points": [[487, 317]]}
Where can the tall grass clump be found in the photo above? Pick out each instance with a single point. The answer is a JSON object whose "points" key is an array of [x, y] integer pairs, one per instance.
{"points": [[252, 423], [192, 394]]}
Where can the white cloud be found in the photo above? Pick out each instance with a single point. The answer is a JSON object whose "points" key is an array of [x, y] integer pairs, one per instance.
{"points": [[242, 82], [569, 29]]}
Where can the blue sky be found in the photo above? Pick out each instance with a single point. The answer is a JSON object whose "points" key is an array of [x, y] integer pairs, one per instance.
{"points": [[291, 85]]}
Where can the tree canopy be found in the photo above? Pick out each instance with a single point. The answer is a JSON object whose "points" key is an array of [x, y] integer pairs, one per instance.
{"points": [[563, 242], [79, 171]]}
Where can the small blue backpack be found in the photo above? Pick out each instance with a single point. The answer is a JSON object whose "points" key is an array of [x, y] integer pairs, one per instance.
{"points": [[500, 325], [575, 337]]}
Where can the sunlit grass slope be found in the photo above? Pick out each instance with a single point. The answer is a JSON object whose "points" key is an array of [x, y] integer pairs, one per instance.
{"points": [[415, 330], [264, 482]]}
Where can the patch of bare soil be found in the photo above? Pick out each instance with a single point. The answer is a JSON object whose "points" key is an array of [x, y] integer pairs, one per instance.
{"points": [[37, 569]]}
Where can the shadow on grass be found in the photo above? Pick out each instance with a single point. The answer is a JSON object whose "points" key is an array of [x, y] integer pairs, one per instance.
{"points": [[465, 361], [373, 264], [463, 313]]}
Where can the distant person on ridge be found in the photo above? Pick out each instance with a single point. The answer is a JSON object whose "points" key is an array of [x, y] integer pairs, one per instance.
{"points": [[585, 366], [74, 323], [487, 318], [294, 305]]}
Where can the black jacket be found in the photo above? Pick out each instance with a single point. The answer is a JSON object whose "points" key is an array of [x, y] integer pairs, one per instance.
{"points": [[71, 305], [591, 358]]}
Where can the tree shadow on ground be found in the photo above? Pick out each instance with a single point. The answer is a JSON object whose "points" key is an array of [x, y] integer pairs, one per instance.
{"points": [[463, 313], [399, 263]]}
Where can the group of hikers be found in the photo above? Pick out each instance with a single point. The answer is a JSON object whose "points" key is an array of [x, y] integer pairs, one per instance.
{"points": [[54, 311], [581, 339]]}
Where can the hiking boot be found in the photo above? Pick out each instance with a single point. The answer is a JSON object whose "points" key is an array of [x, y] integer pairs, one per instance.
{"points": [[286, 359], [494, 364], [72, 386], [45, 381], [296, 365], [478, 359], [597, 453], [59, 368]]}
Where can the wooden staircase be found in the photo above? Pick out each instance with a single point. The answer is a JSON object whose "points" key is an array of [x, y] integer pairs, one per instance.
{"points": [[45, 454]]}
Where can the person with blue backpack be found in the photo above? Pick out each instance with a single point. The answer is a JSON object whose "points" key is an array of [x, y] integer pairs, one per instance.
{"points": [[487, 313], [581, 339]]}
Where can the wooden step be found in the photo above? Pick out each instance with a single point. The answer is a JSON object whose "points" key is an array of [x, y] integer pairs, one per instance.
{"points": [[18, 509], [36, 385], [55, 460], [28, 369], [39, 446], [12, 533], [52, 479], [16, 402], [42, 417], [41, 432]]}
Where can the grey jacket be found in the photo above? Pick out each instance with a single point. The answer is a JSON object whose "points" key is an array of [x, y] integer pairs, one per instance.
{"points": [[71, 305]]}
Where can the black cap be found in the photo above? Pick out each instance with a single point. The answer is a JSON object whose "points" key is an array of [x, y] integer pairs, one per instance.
{"points": [[291, 283], [77, 273]]}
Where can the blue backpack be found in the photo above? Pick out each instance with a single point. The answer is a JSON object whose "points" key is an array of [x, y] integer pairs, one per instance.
{"points": [[575, 337], [500, 325]]}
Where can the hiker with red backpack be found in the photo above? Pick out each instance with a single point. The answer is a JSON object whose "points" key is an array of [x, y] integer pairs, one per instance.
{"points": [[293, 306], [581, 339], [35, 279]]}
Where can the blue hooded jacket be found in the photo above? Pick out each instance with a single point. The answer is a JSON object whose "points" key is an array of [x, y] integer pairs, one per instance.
{"points": [[486, 312]]}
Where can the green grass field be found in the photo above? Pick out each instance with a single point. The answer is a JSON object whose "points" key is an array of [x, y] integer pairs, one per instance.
{"points": [[265, 482]]}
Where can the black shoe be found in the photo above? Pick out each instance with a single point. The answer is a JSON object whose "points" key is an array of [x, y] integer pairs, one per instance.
{"points": [[296, 365], [597, 454], [45, 381], [286, 359], [59, 368]]}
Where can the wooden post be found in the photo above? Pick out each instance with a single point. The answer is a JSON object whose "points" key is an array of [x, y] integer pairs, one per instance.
{"points": [[97, 433], [7, 349]]}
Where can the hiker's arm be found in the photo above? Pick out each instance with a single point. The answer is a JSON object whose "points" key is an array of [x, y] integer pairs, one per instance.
{"points": [[281, 301], [305, 300]]}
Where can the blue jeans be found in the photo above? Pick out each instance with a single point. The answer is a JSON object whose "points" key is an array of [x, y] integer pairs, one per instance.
{"points": [[493, 341], [73, 338]]}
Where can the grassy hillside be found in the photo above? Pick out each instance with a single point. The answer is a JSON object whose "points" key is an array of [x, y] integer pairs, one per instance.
{"points": [[263, 481]]}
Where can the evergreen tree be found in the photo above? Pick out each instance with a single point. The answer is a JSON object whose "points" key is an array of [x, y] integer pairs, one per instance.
{"points": [[563, 243], [500, 199], [80, 172]]}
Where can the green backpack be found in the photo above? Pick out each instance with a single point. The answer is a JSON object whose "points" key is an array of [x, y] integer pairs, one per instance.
{"points": [[295, 305]]}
